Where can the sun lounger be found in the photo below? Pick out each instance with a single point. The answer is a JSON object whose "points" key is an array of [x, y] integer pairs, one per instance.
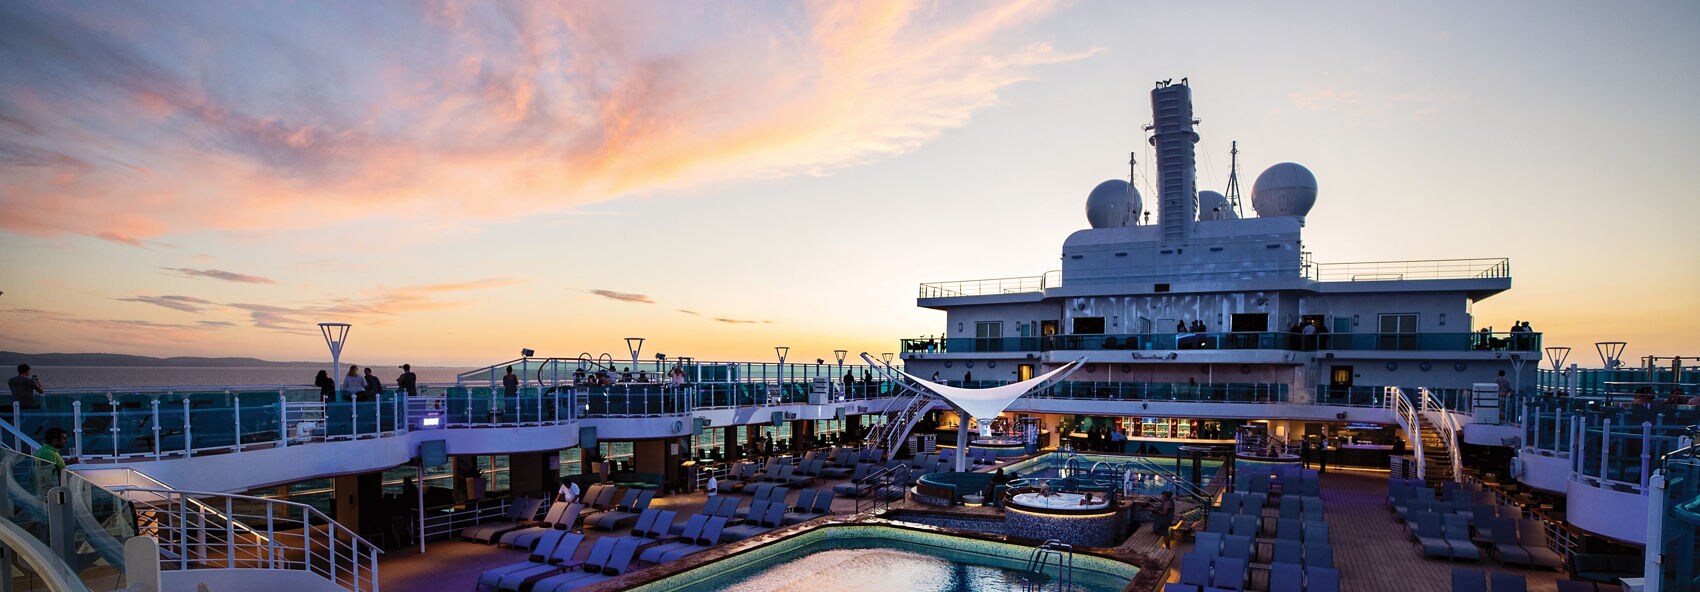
{"points": [[540, 551], [563, 520], [620, 517], [1468, 580], [693, 529], [769, 520], [1286, 577], [711, 534], [555, 563], [520, 515], [617, 562]]}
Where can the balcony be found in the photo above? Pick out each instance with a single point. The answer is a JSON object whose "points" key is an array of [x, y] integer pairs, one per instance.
{"points": [[1267, 340], [992, 287]]}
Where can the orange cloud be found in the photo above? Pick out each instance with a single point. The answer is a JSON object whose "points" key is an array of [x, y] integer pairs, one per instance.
{"points": [[518, 109]]}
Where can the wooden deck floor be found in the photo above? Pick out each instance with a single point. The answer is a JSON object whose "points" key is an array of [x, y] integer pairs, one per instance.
{"points": [[1373, 550]]}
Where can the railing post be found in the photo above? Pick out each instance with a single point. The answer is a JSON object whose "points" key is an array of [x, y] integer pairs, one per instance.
{"points": [[271, 535], [237, 401], [76, 422], [1574, 451], [113, 429], [153, 408], [1646, 458], [188, 431], [1605, 446], [229, 532], [282, 428]]}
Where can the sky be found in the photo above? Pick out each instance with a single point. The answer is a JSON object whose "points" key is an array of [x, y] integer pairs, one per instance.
{"points": [[460, 180]]}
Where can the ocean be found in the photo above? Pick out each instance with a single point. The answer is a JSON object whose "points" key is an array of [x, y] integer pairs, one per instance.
{"points": [[63, 377]]}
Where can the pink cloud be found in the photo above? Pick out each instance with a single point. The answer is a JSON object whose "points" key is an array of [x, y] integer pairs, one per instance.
{"points": [[510, 110]]}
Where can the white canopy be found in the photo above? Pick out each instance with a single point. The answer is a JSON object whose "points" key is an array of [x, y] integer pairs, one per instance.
{"points": [[989, 402]]}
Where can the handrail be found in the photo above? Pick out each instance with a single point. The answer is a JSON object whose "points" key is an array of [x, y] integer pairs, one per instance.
{"points": [[12, 437], [58, 576], [197, 534], [1449, 429], [1407, 417]]}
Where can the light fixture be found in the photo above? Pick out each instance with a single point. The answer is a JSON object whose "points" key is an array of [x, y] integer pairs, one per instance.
{"points": [[840, 353], [886, 356], [781, 350], [634, 345], [526, 352]]}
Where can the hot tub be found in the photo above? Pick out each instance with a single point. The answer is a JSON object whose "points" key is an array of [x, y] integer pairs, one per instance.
{"points": [[1059, 501]]}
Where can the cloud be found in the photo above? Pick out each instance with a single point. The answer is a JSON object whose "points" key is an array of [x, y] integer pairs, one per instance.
{"points": [[217, 323], [689, 312], [151, 119], [378, 306], [624, 296], [219, 274], [741, 321], [108, 332], [183, 303]]}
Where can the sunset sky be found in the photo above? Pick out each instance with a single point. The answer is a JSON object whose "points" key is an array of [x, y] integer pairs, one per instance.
{"points": [[460, 180]]}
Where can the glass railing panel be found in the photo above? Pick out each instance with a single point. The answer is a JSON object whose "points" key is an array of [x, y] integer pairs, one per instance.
{"points": [[261, 422], [1680, 533]]}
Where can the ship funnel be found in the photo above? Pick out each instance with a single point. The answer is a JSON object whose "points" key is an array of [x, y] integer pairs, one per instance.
{"points": [[1177, 170]]}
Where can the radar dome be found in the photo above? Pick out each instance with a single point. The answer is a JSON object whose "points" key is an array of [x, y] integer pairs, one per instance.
{"points": [[1286, 189], [1214, 206], [1113, 204]]}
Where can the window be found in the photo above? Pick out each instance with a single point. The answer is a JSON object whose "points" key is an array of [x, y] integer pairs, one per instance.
{"points": [[1397, 331], [988, 336], [1089, 325]]}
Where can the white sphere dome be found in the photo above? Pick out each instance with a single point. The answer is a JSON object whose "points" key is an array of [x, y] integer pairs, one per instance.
{"points": [[1113, 204], [1286, 189], [1214, 206]]}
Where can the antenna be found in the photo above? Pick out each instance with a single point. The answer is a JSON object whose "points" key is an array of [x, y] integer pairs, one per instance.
{"points": [[1233, 191], [1132, 178]]}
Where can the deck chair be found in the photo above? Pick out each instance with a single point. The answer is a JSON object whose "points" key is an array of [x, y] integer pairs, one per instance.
{"points": [[1230, 574], [769, 520], [1468, 580], [710, 536], [1195, 569], [1288, 529], [693, 529], [555, 563], [729, 509], [1533, 537], [1179, 587], [1312, 507], [554, 521], [618, 518], [804, 508], [539, 557], [1245, 525], [1316, 532], [1218, 522], [799, 478], [1505, 545], [605, 500], [520, 515], [1319, 556], [1458, 537], [1288, 552], [616, 562], [1433, 539], [856, 487], [1504, 582], [1208, 543], [759, 490], [1238, 546], [756, 510], [1286, 577], [660, 524], [1291, 507], [1322, 579]]}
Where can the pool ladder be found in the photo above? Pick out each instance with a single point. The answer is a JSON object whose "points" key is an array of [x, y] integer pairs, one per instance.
{"points": [[1050, 552]]}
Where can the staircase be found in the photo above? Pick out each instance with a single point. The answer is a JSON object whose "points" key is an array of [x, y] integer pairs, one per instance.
{"points": [[901, 414], [1437, 453]]}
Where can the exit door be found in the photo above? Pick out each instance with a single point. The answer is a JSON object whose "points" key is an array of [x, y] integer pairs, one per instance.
{"points": [[1340, 382]]}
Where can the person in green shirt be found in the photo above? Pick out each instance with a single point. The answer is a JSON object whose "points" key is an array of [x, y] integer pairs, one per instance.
{"points": [[53, 447]]}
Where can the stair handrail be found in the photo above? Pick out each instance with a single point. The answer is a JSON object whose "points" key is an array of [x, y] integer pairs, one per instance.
{"points": [[898, 425], [58, 576], [1181, 486], [1449, 428], [1407, 418], [186, 536]]}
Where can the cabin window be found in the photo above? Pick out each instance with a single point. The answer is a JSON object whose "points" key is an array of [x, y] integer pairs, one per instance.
{"points": [[1398, 331], [1089, 325]]}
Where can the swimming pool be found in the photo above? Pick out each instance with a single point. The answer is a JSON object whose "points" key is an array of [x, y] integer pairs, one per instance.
{"points": [[1152, 474], [846, 557]]}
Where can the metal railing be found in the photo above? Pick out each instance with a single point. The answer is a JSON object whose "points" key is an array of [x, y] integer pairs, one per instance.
{"points": [[1160, 391], [1406, 414], [203, 530], [1447, 424], [1008, 285], [881, 487], [1432, 269], [1231, 340]]}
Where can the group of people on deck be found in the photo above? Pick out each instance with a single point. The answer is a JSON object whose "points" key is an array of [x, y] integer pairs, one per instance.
{"points": [[367, 387]]}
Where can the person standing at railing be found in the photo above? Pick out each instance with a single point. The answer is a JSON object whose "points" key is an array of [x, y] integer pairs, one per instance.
{"points": [[408, 382], [24, 388], [1504, 385], [327, 386], [352, 384]]}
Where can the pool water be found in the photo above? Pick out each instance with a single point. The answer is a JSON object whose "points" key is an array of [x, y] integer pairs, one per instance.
{"points": [[846, 558], [1055, 466]]}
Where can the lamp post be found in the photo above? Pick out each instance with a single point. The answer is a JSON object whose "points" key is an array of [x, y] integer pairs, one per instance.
{"points": [[887, 357], [634, 345], [336, 334]]}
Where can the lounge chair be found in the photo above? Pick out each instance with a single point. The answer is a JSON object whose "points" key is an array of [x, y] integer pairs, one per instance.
{"points": [[1504, 582], [1433, 539], [617, 561], [1195, 569], [1230, 574], [821, 506], [1245, 524], [521, 513], [1457, 532], [1286, 577], [756, 510], [557, 562], [799, 478], [1532, 535], [1468, 580], [1238, 546], [1504, 538], [1208, 543], [1319, 556], [858, 484], [1288, 552], [1289, 529], [541, 548], [1179, 587], [563, 520], [658, 528], [711, 533], [773, 518], [1322, 579], [620, 517], [693, 529]]}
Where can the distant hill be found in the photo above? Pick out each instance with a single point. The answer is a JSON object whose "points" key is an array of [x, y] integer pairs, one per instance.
{"points": [[9, 359]]}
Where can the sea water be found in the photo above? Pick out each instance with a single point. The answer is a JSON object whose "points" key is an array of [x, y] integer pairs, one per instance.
{"points": [[95, 377]]}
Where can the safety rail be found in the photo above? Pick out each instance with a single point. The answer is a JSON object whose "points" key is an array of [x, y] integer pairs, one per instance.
{"points": [[1617, 451], [1406, 414], [880, 488], [204, 530], [155, 424], [1044, 556], [1156, 391], [1450, 430], [901, 414], [443, 525], [985, 287], [1231, 340], [1432, 269], [1262, 445], [54, 572]]}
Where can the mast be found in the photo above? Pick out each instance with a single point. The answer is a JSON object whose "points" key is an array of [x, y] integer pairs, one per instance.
{"points": [[1233, 190], [1132, 179]]}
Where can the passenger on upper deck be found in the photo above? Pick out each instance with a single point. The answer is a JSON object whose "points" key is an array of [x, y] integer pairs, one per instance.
{"points": [[327, 387], [1180, 326], [510, 383], [625, 375], [24, 388], [408, 382], [643, 376], [374, 387], [351, 384]]}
